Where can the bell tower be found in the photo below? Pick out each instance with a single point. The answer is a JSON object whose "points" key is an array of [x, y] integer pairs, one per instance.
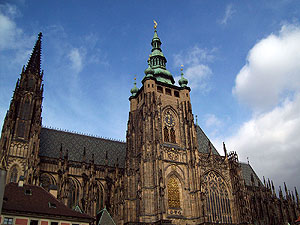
{"points": [[19, 143], [160, 176]]}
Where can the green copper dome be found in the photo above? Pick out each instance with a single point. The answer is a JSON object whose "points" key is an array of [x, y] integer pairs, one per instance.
{"points": [[134, 90], [149, 71], [157, 62], [183, 81]]}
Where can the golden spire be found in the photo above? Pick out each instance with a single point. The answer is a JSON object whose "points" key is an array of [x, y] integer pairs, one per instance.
{"points": [[181, 68], [155, 24]]}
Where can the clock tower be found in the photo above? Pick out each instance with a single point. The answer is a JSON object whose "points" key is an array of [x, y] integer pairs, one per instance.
{"points": [[161, 179]]}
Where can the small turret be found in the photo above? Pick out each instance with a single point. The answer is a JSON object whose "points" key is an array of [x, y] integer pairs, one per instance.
{"points": [[134, 90], [183, 81]]}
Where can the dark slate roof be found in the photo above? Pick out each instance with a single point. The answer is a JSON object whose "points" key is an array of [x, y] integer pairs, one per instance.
{"points": [[203, 142], [36, 201], [105, 218], [51, 141], [247, 170]]}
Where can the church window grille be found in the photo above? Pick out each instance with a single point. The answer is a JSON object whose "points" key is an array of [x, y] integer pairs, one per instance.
{"points": [[14, 174], [173, 193], [172, 134], [217, 199], [166, 134]]}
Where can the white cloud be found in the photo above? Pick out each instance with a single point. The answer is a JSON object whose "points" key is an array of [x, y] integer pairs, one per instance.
{"points": [[212, 121], [271, 141], [272, 70], [76, 57], [228, 14], [196, 69], [9, 32], [270, 84]]}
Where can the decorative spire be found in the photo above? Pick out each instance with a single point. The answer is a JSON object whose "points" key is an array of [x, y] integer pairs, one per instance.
{"points": [[34, 63], [280, 193], [134, 90], [61, 151], [158, 60], [225, 150], [297, 196], [196, 120], [149, 71], [183, 81]]}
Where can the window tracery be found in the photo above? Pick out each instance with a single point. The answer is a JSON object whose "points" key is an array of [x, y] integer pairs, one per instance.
{"points": [[173, 193], [217, 199], [172, 134], [13, 174], [166, 134]]}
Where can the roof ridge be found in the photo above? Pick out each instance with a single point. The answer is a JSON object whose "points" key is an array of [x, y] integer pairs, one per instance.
{"points": [[83, 134]]}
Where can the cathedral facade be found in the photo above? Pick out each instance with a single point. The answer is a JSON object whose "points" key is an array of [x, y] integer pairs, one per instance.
{"points": [[167, 171]]}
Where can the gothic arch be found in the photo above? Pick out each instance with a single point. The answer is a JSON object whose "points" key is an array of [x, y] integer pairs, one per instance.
{"points": [[217, 194], [14, 173], [170, 108], [171, 128], [174, 192], [46, 180], [99, 197], [173, 169], [73, 192]]}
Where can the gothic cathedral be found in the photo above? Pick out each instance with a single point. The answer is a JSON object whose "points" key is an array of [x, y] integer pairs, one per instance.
{"points": [[167, 172]]}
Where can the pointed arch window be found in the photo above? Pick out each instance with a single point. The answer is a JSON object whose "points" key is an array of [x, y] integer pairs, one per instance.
{"points": [[13, 174], [172, 134], [217, 199], [99, 201], [166, 135], [73, 194], [173, 193], [45, 182]]}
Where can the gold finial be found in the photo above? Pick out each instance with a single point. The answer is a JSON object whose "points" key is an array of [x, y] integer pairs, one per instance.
{"points": [[134, 78], [181, 68], [155, 24]]}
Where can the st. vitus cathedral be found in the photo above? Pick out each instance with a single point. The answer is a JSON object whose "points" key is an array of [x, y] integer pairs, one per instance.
{"points": [[167, 172]]}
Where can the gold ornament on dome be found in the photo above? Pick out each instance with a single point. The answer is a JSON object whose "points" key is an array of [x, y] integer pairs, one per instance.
{"points": [[155, 24], [173, 193]]}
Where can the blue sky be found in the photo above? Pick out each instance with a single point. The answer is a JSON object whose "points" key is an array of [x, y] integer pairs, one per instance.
{"points": [[240, 57]]}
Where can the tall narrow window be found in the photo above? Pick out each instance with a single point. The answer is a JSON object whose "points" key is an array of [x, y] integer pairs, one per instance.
{"points": [[217, 199], [13, 174], [21, 129], [172, 134], [166, 134], [173, 193], [99, 203]]}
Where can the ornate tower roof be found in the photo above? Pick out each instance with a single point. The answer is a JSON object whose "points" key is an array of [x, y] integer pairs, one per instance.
{"points": [[157, 61], [34, 63]]}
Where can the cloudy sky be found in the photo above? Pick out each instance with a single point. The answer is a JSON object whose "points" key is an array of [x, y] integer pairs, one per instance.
{"points": [[242, 60]]}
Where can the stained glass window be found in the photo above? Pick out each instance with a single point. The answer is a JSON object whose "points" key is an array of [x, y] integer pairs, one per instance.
{"points": [[173, 193], [217, 199]]}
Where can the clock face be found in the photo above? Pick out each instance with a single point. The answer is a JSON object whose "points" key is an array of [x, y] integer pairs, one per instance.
{"points": [[169, 120]]}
